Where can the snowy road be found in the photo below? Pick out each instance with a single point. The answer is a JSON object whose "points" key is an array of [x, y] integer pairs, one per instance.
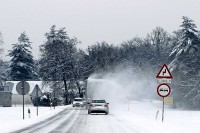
{"points": [[76, 120]]}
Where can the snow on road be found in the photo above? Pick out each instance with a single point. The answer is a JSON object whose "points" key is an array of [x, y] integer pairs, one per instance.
{"points": [[134, 117], [101, 123]]}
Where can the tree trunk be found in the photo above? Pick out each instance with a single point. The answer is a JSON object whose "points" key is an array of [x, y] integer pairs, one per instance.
{"points": [[66, 91], [76, 78], [79, 88]]}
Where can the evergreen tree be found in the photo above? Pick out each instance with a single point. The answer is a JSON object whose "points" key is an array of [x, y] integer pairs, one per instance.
{"points": [[186, 63], [188, 43], [22, 63]]}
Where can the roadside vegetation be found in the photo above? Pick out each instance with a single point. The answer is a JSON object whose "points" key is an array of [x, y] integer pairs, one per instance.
{"points": [[66, 67]]}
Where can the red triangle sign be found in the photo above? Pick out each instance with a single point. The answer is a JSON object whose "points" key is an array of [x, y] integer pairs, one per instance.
{"points": [[164, 72]]}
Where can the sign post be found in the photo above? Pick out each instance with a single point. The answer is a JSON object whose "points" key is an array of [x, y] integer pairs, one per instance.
{"points": [[164, 78], [23, 88], [163, 91], [37, 87], [23, 96]]}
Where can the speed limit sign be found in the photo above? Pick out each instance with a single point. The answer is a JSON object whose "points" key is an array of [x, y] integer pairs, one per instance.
{"points": [[163, 90]]}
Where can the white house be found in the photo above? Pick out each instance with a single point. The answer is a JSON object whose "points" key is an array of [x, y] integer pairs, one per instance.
{"points": [[18, 99]]}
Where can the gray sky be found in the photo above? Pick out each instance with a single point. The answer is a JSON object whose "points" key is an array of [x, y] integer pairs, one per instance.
{"points": [[91, 21]]}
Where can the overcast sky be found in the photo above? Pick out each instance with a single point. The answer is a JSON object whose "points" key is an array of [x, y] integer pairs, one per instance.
{"points": [[91, 21]]}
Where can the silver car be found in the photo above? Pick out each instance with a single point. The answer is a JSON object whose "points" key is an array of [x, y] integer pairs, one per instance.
{"points": [[78, 102], [98, 106]]}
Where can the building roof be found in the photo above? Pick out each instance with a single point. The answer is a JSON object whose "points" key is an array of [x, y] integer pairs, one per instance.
{"points": [[43, 88]]}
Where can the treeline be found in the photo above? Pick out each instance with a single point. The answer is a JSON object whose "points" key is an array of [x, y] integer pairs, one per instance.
{"points": [[62, 62]]}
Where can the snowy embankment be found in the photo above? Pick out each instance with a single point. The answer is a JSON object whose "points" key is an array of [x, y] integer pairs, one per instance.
{"points": [[12, 117], [142, 115]]}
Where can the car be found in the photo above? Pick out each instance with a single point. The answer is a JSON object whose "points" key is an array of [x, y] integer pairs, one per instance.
{"points": [[78, 102], [98, 106]]}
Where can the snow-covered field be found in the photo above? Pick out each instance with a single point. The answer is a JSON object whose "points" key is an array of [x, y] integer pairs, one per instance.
{"points": [[11, 118], [140, 114]]}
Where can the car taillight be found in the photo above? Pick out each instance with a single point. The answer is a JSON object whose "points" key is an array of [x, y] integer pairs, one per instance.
{"points": [[105, 105]]}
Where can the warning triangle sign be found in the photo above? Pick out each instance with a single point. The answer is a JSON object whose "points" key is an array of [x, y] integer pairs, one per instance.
{"points": [[164, 72]]}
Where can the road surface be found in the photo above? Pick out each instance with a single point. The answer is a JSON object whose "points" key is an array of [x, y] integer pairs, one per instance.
{"points": [[76, 120]]}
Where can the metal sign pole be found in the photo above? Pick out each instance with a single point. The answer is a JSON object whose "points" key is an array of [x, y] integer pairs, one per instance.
{"points": [[164, 77], [23, 96], [37, 98], [163, 110], [23, 88], [54, 99], [86, 96]]}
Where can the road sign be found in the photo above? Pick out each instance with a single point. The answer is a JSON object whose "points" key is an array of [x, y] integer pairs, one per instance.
{"points": [[23, 88], [164, 80], [168, 101], [36, 92], [164, 72], [163, 90], [20, 89]]}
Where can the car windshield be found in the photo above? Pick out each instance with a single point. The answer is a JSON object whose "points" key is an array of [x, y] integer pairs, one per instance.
{"points": [[77, 99], [98, 101]]}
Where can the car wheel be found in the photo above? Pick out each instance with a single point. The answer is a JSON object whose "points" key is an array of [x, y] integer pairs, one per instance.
{"points": [[106, 113]]}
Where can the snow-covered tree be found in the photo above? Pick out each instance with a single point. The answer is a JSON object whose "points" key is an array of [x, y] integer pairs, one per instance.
{"points": [[22, 63], [2, 77], [185, 64], [161, 41], [1, 42], [102, 56], [58, 57], [188, 43]]}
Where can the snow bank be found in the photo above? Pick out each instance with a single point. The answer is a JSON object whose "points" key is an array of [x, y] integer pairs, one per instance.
{"points": [[12, 117], [142, 115]]}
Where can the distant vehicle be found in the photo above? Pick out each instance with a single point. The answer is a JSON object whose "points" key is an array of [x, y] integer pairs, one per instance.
{"points": [[78, 102], [98, 106], [88, 101], [84, 101]]}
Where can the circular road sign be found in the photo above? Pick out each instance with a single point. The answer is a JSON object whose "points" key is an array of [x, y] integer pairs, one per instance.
{"points": [[163, 90], [20, 89]]}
